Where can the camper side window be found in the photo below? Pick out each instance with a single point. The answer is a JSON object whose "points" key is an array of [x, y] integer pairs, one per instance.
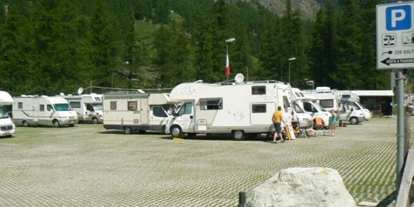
{"points": [[41, 107], [286, 102], [75, 105], [259, 108], [186, 109], [258, 90], [49, 107], [112, 105], [327, 103], [211, 104], [132, 106], [20, 105]]}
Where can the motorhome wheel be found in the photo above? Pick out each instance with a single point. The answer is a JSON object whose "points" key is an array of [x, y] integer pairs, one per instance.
{"points": [[25, 124], [94, 120], [353, 120], [238, 135], [176, 131], [55, 123], [127, 130]]}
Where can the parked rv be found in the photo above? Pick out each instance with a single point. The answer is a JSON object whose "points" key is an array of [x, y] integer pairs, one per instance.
{"points": [[332, 100], [310, 105], [89, 107], [7, 127], [347, 96], [243, 109], [136, 112], [33, 110]]}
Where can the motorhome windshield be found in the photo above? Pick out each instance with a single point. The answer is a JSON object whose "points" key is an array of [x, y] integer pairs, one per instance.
{"points": [[62, 107], [297, 108], [3, 114], [97, 107]]}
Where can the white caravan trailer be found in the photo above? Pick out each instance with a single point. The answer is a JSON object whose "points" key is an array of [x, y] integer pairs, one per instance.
{"points": [[89, 107], [241, 108], [43, 110], [132, 112], [311, 106], [7, 127]]}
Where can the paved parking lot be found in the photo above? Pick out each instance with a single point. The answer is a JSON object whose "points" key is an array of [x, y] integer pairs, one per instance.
{"points": [[89, 166]]}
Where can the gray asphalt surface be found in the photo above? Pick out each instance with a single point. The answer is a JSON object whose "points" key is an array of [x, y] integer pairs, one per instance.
{"points": [[89, 166]]}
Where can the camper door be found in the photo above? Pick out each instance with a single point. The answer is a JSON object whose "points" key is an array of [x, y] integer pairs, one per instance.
{"points": [[185, 118], [158, 116]]}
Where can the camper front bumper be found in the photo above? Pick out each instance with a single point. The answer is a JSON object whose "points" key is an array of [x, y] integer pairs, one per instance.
{"points": [[67, 120], [7, 130]]}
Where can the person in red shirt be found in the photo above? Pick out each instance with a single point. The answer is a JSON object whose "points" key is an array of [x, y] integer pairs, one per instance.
{"points": [[277, 119]]}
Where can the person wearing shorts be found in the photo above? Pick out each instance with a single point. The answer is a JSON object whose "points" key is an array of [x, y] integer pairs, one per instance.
{"points": [[277, 119]]}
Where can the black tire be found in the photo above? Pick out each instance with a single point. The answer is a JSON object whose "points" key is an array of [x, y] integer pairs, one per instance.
{"points": [[25, 124], [94, 120], [340, 123], [127, 130], [238, 134], [55, 123], [354, 120], [176, 131]]}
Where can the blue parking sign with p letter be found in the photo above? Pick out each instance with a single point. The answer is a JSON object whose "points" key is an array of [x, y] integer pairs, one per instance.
{"points": [[398, 17]]}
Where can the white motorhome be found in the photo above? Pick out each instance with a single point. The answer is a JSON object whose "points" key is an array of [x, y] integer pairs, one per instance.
{"points": [[7, 127], [136, 112], [353, 98], [32, 110], [311, 106], [332, 100], [89, 107], [243, 109]]}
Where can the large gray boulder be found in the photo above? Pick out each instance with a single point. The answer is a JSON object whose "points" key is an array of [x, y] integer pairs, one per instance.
{"points": [[304, 187]]}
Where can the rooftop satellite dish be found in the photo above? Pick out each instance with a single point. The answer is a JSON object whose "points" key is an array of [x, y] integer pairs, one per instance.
{"points": [[239, 78], [62, 94], [140, 91], [80, 90]]}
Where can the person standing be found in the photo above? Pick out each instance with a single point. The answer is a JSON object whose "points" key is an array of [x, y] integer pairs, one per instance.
{"points": [[277, 120], [332, 122]]}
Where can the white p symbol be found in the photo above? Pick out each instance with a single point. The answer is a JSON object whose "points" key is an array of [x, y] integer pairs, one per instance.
{"points": [[397, 15]]}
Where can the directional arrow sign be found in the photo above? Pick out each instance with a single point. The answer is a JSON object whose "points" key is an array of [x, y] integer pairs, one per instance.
{"points": [[395, 36], [389, 61]]}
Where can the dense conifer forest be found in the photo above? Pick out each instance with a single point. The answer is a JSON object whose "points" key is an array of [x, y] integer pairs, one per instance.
{"points": [[53, 46]]}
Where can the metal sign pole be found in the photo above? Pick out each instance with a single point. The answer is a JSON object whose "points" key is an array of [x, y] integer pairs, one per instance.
{"points": [[400, 127]]}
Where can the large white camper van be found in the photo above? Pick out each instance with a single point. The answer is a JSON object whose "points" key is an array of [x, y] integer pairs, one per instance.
{"points": [[136, 112], [243, 109], [7, 127], [89, 107], [332, 100], [310, 105], [29, 110], [353, 100]]}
